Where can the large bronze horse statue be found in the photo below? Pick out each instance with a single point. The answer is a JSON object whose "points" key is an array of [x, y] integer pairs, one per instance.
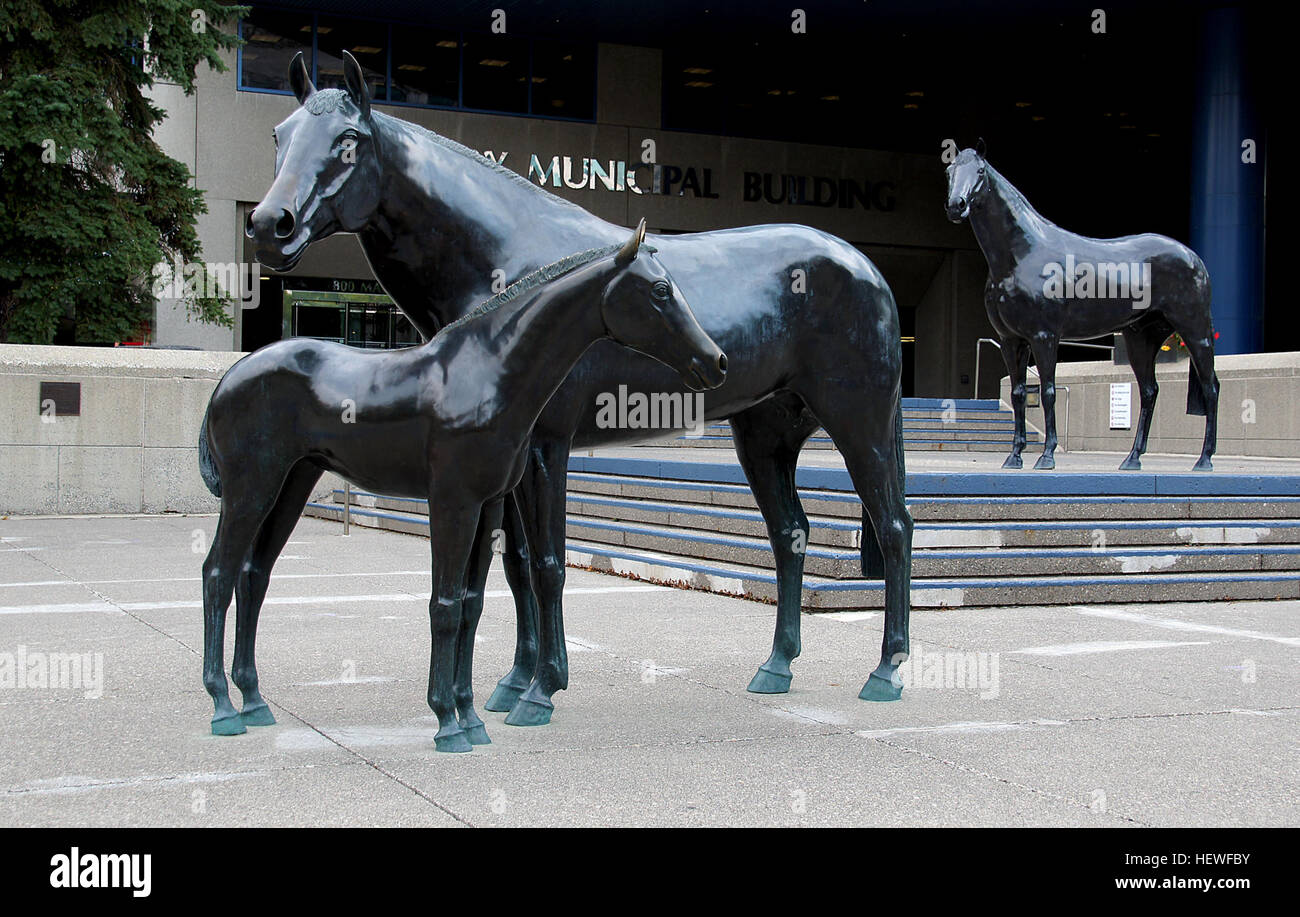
{"points": [[1048, 285], [448, 421], [820, 347]]}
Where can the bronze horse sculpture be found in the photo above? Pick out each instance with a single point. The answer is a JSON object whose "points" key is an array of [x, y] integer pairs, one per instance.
{"points": [[436, 220], [448, 420], [1046, 285]]}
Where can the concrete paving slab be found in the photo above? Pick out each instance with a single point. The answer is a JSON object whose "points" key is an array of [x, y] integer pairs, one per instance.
{"points": [[1178, 714]]}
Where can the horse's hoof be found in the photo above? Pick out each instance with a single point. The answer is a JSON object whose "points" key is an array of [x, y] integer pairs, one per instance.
{"points": [[477, 735], [880, 688], [1131, 464], [231, 725], [504, 698], [765, 681], [1013, 461], [1045, 463], [1204, 464], [530, 713], [257, 716], [456, 741]]}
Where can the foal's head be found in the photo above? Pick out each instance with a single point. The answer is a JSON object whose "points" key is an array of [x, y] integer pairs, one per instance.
{"points": [[643, 309], [967, 182], [327, 169]]}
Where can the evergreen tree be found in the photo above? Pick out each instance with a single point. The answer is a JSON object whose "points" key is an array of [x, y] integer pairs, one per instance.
{"points": [[89, 203]]}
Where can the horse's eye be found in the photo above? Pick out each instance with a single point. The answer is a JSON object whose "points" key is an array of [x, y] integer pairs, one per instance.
{"points": [[981, 170], [659, 290]]}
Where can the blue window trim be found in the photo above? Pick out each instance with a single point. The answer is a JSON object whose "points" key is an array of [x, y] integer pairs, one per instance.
{"points": [[388, 69]]}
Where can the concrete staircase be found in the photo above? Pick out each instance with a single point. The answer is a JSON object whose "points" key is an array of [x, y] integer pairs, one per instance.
{"points": [[929, 425], [980, 539]]}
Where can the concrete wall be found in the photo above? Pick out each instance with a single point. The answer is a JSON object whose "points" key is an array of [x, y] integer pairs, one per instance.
{"points": [[133, 449], [1258, 413]]}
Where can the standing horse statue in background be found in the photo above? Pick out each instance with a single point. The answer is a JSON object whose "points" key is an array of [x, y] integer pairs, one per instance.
{"points": [[1047, 285], [437, 221], [448, 421]]}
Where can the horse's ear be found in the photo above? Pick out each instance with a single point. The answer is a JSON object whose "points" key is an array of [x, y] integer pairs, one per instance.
{"points": [[300, 79], [979, 148], [356, 83], [628, 252]]}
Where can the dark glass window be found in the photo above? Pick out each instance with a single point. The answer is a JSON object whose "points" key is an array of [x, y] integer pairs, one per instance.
{"points": [[496, 73], [368, 43], [563, 80], [271, 40], [426, 66], [695, 91]]}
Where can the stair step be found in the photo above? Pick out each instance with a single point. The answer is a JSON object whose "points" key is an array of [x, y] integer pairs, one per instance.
{"points": [[821, 594], [954, 509]]}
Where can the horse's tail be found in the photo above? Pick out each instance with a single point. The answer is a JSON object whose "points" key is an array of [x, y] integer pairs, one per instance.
{"points": [[207, 467], [873, 558]]}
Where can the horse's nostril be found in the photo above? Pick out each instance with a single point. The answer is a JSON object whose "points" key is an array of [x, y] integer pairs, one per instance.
{"points": [[722, 362], [248, 224], [284, 225]]}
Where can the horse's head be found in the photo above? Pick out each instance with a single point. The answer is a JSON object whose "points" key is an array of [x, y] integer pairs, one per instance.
{"points": [[327, 169], [643, 309], [967, 182]]}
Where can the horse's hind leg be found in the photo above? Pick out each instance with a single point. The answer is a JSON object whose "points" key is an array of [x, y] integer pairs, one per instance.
{"points": [[254, 577], [1202, 355], [862, 425], [471, 610], [518, 567], [1143, 343], [768, 438]]}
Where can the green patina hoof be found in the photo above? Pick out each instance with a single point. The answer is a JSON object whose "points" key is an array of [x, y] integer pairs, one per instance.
{"points": [[1131, 464], [765, 681], [530, 713], [1014, 461], [879, 688], [232, 725], [1203, 465], [477, 735], [503, 699], [1045, 463], [452, 741], [257, 716]]}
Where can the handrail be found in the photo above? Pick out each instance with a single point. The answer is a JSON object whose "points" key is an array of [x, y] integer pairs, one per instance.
{"points": [[1065, 427]]}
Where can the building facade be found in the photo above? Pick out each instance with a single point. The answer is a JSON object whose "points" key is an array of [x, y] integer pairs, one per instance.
{"points": [[790, 129]]}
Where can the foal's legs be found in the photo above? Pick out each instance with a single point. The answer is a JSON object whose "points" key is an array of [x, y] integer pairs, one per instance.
{"points": [[254, 577], [1015, 353], [451, 537], [244, 504], [519, 575], [768, 438], [1045, 356], [1143, 343], [471, 610]]}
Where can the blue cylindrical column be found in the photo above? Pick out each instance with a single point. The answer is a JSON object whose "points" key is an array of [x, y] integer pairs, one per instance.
{"points": [[1227, 219]]}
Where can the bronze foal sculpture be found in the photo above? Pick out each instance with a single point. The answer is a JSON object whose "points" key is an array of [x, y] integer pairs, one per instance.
{"points": [[1047, 285], [448, 420], [809, 326]]}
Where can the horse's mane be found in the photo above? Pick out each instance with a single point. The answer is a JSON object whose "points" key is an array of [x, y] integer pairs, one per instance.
{"points": [[533, 280]]}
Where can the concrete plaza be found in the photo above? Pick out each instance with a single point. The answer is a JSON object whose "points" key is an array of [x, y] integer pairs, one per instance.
{"points": [[1161, 714]]}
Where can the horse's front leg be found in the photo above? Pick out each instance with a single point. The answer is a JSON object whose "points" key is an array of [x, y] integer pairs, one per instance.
{"points": [[1015, 353], [541, 497], [451, 536], [519, 575], [1045, 356]]}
